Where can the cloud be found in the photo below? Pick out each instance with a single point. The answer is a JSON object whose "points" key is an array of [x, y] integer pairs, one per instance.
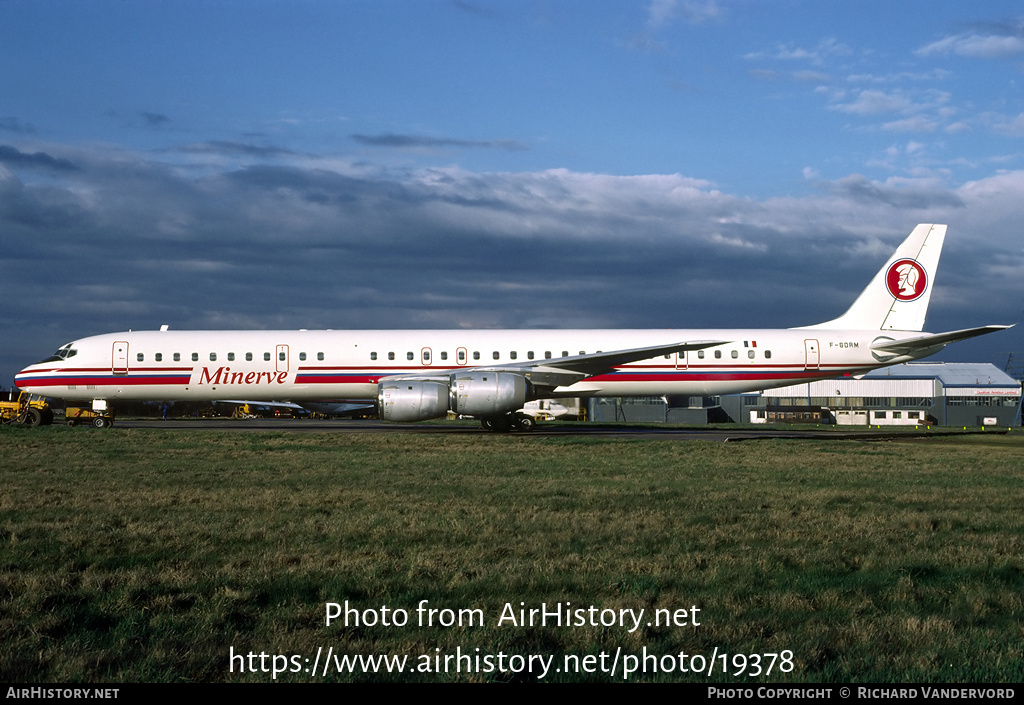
{"points": [[13, 124], [38, 161], [424, 141], [999, 42], [663, 12], [154, 119], [304, 242], [223, 147], [826, 48]]}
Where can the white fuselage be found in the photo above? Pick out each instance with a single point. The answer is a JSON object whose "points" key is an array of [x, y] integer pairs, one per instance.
{"points": [[326, 365]]}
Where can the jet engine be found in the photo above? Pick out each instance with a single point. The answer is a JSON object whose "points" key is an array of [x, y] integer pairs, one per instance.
{"points": [[486, 394], [412, 400], [472, 393]]}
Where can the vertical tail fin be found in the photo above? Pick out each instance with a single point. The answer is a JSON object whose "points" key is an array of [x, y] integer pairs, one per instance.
{"points": [[897, 298]]}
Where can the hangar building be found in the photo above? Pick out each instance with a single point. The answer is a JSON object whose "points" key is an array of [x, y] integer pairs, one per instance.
{"points": [[945, 394]]}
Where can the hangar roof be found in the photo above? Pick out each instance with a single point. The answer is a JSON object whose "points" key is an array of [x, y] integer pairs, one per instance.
{"points": [[951, 374]]}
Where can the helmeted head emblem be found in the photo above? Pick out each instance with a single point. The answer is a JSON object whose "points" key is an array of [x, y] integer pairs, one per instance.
{"points": [[906, 280]]}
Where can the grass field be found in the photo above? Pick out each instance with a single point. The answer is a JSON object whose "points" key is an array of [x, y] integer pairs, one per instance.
{"points": [[153, 555]]}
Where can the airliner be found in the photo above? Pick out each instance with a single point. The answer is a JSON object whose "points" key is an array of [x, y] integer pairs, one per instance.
{"points": [[415, 375]]}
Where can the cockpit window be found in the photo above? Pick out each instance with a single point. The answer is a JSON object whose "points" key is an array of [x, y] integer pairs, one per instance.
{"points": [[62, 353]]}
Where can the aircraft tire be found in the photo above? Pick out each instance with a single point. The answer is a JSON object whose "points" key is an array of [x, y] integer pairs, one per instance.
{"points": [[524, 423]]}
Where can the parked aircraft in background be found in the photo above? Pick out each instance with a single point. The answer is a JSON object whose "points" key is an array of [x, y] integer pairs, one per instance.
{"points": [[414, 375]]}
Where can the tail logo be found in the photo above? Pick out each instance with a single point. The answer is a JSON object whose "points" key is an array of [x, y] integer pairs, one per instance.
{"points": [[906, 280]]}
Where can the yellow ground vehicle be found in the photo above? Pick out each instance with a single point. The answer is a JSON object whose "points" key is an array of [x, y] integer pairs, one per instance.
{"points": [[74, 415], [28, 409]]}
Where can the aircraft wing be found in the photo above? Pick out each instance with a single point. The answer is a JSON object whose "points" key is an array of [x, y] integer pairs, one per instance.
{"points": [[563, 371], [923, 342]]}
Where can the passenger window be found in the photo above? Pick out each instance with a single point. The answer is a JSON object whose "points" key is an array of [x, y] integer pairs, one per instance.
{"points": [[718, 354], [231, 357], [320, 356], [426, 357], [195, 357], [476, 354], [213, 357], [140, 357], [767, 354], [159, 357], [444, 355], [248, 357], [409, 356], [565, 353], [547, 354], [512, 355], [529, 355], [735, 354], [177, 357], [302, 356], [281, 356], [266, 357], [391, 356], [700, 354], [495, 354], [373, 356], [750, 354]]}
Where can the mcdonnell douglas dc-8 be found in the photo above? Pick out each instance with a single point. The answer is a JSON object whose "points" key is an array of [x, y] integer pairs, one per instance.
{"points": [[415, 375]]}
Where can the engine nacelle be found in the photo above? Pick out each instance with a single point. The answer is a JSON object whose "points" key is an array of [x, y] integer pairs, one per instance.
{"points": [[412, 401], [484, 394]]}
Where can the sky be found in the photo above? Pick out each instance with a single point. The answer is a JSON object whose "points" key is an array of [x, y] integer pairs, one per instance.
{"points": [[502, 164]]}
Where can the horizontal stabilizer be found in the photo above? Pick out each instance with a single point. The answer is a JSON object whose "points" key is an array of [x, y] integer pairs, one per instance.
{"points": [[908, 346]]}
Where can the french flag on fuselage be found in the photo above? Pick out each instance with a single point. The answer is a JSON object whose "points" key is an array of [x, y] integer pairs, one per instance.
{"points": [[750, 343]]}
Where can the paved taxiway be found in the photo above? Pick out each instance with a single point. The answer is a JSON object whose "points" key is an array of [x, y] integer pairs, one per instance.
{"points": [[720, 434]]}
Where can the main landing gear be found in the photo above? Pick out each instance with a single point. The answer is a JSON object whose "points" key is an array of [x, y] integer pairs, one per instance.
{"points": [[509, 422]]}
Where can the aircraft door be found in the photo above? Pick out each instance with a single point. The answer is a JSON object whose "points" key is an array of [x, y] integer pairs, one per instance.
{"points": [[682, 360], [119, 358], [281, 358], [811, 354]]}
